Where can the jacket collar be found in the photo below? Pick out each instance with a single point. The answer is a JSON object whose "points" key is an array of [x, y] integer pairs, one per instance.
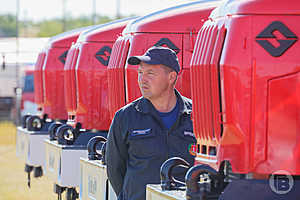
{"points": [[145, 106]]}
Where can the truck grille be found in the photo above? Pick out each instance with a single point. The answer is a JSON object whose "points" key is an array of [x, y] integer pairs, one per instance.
{"points": [[70, 83], [207, 118], [116, 75], [38, 79]]}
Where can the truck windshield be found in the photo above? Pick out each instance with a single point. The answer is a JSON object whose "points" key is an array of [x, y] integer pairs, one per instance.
{"points": [[28, 84]]}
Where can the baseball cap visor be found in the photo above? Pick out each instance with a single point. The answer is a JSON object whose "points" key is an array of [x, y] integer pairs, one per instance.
{"points": [[136, 60]]}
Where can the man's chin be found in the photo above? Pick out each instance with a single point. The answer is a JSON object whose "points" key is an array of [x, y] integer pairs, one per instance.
{"points": [[146, 95]]}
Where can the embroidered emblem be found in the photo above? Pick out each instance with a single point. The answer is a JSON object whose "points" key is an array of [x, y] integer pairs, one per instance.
{"points": [[193, 149]]}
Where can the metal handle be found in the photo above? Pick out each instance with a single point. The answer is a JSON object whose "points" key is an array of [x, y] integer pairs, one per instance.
{"points": [[103, 152], [92, 148], [34, 123], [53, 128], [24, 118], [66, 135], [209, 186], [168, 182]]}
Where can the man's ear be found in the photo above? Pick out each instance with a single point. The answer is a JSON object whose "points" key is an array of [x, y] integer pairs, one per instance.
{"points": [[173, 77]]}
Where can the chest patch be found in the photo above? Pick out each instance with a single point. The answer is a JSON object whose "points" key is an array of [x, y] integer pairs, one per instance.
{"points": [[141, 132], [188, 133]]}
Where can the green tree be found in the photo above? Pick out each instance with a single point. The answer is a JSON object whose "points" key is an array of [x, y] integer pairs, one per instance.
{"points": [[73, 23], [8, 25], [83, 21], [53, 27], [49, 28], [103, 19], [46, 28]]}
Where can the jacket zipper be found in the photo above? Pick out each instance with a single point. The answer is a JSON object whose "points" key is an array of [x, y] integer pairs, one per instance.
{"points": [[169, 131]]}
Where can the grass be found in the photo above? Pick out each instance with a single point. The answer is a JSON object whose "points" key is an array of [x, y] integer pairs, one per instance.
{"points": [[13, 179]]}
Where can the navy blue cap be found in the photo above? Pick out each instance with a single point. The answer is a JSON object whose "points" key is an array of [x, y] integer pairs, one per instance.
{"points": [[157, 55]]}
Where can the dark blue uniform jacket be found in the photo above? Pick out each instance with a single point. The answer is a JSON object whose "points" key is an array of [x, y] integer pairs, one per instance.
{"points": [[138, 143]]}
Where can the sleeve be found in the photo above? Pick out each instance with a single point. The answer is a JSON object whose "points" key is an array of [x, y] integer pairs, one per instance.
{"points": [[116, 155]]}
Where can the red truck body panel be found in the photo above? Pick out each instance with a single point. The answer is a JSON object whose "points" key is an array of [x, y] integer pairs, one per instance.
{"points": [[53, 79], [116, 75], [38, 80], [53, 73], [175, 28], [86, 83], [70, 81], [245, 87]]}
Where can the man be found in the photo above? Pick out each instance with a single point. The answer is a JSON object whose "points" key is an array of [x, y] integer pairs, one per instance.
{"points": [[151, 129]]}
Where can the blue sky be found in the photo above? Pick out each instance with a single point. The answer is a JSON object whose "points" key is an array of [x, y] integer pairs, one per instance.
{"points": [[44, 9]]}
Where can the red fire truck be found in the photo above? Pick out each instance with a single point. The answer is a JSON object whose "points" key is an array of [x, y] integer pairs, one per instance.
{"points": [[245, 92], [147, 31], [48, 75], [85, 83], [86, 79]]}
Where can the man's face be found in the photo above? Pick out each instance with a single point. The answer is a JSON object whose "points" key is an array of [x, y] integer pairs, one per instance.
{"points": [[153, 80]]}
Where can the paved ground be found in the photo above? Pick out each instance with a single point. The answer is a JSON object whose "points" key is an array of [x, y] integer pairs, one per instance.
{"points": [[13, 179]]}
